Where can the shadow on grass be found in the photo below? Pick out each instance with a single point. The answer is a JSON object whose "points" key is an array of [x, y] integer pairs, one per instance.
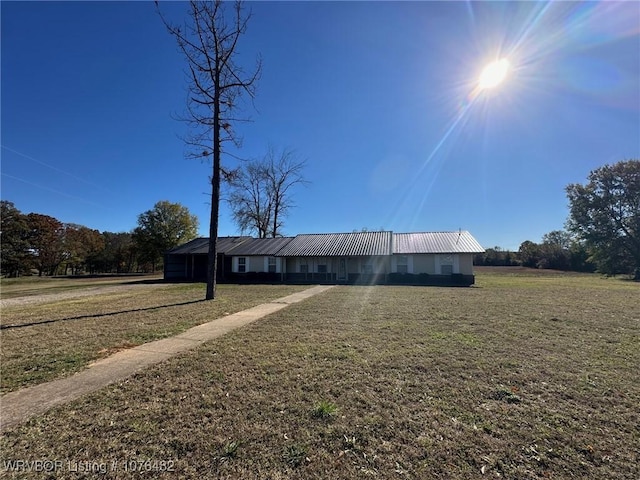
{"points": [[110, 314], [124, 280], [630, 279]]}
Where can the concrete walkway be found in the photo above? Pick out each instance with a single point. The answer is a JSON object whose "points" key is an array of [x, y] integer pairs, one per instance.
{"points": [[16, 407]]}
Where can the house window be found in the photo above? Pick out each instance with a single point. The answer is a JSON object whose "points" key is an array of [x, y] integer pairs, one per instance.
{"points": [[446, 264], [446, 269], [402, 264], [242, 264], [304, 268], [367, 267], [272, 264], [322, 269]]}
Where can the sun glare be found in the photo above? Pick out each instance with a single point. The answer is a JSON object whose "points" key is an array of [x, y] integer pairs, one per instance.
{"points": [[493, 74]]}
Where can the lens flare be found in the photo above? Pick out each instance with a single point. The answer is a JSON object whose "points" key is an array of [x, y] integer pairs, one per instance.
{"points": [[494, 74]]}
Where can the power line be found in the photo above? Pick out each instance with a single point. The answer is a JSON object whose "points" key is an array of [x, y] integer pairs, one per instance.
{"points": [[57, 169], [53, 190]]}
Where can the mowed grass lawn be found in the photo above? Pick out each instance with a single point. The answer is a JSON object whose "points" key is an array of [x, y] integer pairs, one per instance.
{"points": [[521, 377], [30, 286], [44, 341]]}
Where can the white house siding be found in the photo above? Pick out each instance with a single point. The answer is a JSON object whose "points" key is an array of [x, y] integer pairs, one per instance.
{"points": [[253, 264], [424, 263], [431, 264], [368, 257], [416, 264], [466, 263], [312, 264], [293, 264], [289, 265], [381, 265], [395, 262], [353, 266], [446, 259]]}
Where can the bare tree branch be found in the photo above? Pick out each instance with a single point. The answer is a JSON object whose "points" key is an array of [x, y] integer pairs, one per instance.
{"points": [[209, 45], [262, 195]]}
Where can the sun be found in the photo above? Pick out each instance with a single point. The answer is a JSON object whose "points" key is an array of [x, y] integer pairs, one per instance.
{"points": [[493, 74]]}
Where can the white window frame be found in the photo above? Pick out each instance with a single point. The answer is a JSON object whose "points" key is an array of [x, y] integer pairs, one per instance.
{"points": [[447, 259], [272, 263], [242, 266], [404, 263], [303, 265]]}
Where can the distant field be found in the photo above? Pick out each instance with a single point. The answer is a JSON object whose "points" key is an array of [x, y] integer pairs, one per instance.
{"points": [[524, 376]]}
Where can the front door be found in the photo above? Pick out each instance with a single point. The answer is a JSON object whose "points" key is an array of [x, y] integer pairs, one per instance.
{"points": [[342, 269]]}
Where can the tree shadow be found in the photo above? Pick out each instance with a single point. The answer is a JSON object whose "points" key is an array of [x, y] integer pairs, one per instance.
{"points": [[110, 314], [149, 281]]}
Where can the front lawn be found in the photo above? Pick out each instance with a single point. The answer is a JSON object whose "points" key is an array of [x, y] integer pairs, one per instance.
{"points": [[522, 377], [44, 341]]}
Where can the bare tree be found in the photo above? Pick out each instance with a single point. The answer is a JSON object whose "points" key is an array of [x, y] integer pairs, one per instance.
{"points": [[216, 84], [261, 194], [250, 201]]}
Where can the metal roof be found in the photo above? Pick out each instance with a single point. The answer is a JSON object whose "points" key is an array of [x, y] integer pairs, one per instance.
{"points": [[436, 242], [338, 244], [260, 246], [201, 245]]}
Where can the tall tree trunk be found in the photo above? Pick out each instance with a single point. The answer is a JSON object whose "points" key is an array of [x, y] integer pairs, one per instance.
{"points": [[276, 209], [216, 82], [212, 260]]}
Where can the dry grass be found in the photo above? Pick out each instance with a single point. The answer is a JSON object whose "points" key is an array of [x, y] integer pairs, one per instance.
{"points": [[525, 377], [44, 341], [28, 286]]}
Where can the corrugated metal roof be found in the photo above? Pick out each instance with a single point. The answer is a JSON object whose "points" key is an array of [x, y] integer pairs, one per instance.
{"points": [[260, 246], [201, 245], [338, 244], [436, 242]]}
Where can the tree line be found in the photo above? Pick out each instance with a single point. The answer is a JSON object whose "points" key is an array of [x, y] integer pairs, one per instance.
{"points": [[40, 243], [601, 234], [558, 250], [259, 197]]}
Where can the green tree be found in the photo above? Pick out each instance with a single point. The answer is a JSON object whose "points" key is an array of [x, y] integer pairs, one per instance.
{"points": [[553, 256], [579, 258], [165, 226], [605, 214], [216, 84], [554, 250], [118, 254], [14, 245], [559, 238], [81, 244], [46, 241], [529, 254]]}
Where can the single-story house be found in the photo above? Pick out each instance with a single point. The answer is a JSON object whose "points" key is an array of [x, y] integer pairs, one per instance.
{"points": [[434, 258], [359, 257], [427, 258], [189, 261], [255, 260]]}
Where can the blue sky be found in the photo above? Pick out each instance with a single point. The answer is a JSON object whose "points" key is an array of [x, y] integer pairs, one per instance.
{"points": [[374, 95]]}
